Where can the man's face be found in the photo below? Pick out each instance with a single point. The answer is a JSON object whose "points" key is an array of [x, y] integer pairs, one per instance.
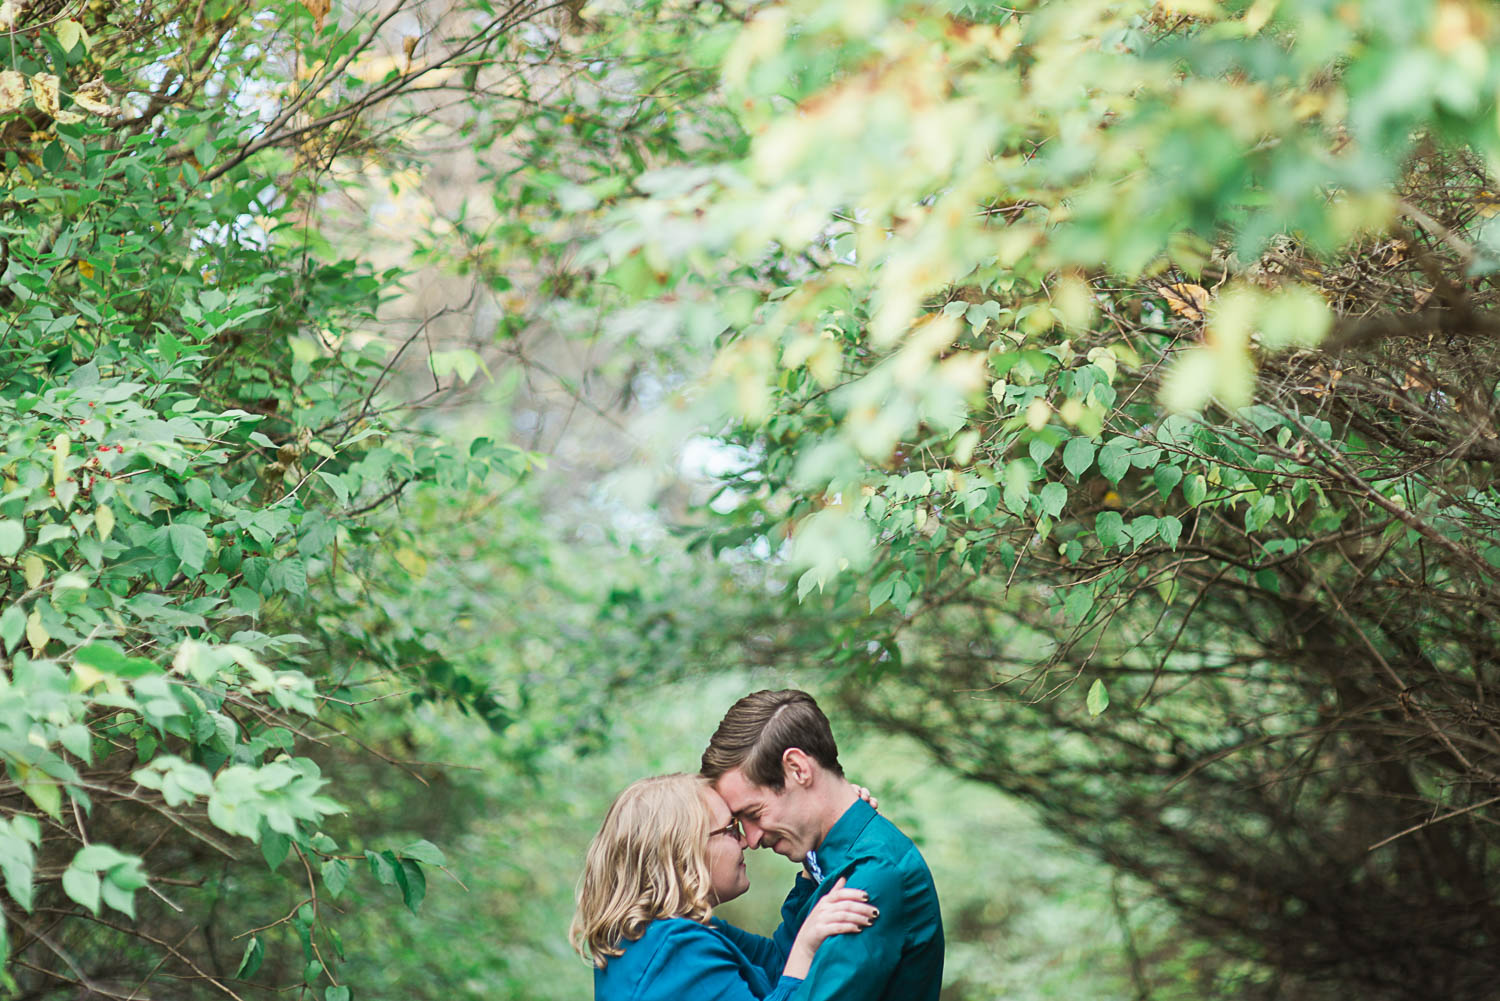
{"points": [[775, 820]]}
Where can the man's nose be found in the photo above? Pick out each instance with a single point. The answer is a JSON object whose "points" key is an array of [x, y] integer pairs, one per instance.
{"points": [[753, 833]]}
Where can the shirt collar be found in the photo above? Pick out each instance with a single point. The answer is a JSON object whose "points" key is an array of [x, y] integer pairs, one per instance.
{"points": [[838, 844]]}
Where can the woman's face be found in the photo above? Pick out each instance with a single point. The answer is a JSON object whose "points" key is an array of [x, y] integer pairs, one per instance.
{"points": [[726, 851]]}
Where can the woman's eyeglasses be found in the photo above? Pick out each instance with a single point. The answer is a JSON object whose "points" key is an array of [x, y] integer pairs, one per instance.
{"points": [[732, 829]]}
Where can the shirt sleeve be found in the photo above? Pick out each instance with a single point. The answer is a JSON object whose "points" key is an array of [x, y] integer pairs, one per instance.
{"points": [[699, 963], [761, 951], [791, 913], [857, 966]]}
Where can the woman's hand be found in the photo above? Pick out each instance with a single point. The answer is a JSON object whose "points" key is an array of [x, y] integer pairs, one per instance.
{"points": [[842, 911], [868, 797]]}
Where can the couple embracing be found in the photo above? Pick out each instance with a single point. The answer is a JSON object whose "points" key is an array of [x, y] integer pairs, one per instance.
{"points": [[861, 922]]}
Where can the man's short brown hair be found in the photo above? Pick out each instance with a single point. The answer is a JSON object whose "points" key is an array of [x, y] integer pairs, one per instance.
{"points": [[759, 728]]}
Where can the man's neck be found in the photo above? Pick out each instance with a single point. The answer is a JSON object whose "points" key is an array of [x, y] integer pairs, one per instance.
{"points": [[837, 799]]}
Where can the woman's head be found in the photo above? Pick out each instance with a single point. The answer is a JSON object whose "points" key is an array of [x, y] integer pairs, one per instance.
{"points": [[654, 858]]}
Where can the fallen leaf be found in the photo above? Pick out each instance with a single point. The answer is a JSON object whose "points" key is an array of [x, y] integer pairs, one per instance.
{"points": [[319, 10], [44, 92], [12, 91], [1186, 299]]}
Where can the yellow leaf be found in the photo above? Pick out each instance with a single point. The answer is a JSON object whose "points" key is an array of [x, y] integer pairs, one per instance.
{"points": [[94, 100], [104, 520], [44, 92], [1038, 414], [86, 677], [12, 91], [70, 33], [86, 269], [60, 446], [42, 789], [36, 633], [34, 569], [1186, 299], [319, 10], [412, 562]]}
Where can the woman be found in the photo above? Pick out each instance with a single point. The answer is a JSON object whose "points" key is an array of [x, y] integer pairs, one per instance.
{"points": [[668, 852]]}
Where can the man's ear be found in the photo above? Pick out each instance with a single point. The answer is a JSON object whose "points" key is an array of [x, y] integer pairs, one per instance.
{"points": [[797, 767]]}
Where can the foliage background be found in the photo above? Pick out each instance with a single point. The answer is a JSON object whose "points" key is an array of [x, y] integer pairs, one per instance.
{"points": [[421, 419]]}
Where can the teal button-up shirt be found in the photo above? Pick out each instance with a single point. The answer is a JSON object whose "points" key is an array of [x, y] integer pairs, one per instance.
{"points": [[680, 960], [900, 956]]}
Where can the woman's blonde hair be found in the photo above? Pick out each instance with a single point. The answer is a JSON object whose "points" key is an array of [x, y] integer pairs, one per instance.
{"points": [[648, 861]]}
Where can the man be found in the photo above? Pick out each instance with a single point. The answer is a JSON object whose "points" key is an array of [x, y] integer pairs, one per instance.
{"points": [[774, 761]]}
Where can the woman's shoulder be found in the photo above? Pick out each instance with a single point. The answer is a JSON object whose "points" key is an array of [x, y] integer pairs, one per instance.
{"points": [[663, 962]]}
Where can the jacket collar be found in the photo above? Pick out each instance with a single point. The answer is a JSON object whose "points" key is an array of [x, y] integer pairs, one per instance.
{"points": [[837, 848]]}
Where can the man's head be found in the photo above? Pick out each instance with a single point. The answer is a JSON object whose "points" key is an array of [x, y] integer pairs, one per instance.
{"points": [[774, 761]]}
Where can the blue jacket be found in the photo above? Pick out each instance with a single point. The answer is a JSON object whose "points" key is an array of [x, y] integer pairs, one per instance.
{"points": [[681, 960]]}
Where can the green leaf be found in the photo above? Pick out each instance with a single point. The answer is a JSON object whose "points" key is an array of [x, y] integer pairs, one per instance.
{"points": [[381, 867], [255, 953], [102, 657], [83, 887], [1114, 461], [1109, 526], [189, 545], [336, 994], [424, 851], [1053, 496], [414, 886], [12, 537], [1078, 456], [1098, 698], [1078, 603], [1259, 513], [336, 874], [94, 857], [1166, 477], [1169, 527], [274, 847], [337, 485], [1194, 489], [12, 625], [118, 897], [1142, 529]]}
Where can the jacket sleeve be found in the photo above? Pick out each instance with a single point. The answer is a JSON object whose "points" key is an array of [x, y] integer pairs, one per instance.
{"points": [[761, 951], [698, 963], [791, 914], [857, 966]]}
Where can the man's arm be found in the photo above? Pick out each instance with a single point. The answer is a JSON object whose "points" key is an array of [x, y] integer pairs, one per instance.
{"points": [[856, 967], [793, 910]]}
